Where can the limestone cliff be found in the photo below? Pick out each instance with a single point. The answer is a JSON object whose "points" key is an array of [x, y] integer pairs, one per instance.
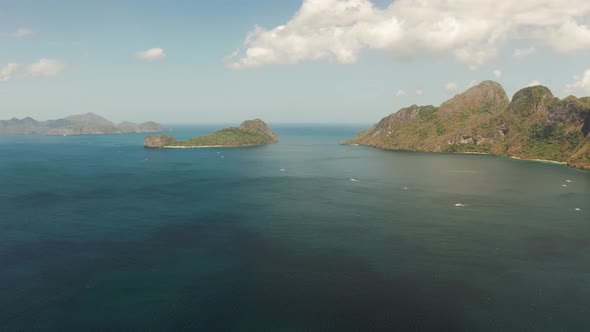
{"points": [[158, 141], [533, 125]]}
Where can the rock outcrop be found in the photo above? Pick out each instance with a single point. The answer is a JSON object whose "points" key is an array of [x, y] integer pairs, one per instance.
{"points": [[157, 142], [259, 128]]}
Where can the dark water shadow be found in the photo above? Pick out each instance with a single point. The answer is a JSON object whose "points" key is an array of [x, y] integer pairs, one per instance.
{"points": [[277, 288], [272, 285]]}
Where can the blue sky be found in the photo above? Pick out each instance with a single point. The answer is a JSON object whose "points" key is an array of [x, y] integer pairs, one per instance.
{"points": [[313, 61]]}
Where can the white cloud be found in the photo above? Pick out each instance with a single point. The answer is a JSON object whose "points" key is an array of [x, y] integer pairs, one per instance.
{"points": [[419, 92], [498, 73], [581, 84], [401, 93], [570, 37], [22, 32], [7, 72], [475, 58], [151, 54], [472, 31], [451, 86], [521, 53], [533, 83], [45, 67]]}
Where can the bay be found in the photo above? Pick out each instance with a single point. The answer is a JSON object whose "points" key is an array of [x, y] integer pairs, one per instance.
{"points": [[99, 234]]}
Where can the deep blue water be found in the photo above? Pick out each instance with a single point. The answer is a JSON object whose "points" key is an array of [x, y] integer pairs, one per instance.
{"points": [[99, 234]]}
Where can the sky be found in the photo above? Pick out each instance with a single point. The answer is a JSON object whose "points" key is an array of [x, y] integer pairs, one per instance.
{"points": [[288, 61]]}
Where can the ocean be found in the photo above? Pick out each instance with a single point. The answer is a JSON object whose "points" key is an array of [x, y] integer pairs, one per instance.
{"points": [[99, 234]]}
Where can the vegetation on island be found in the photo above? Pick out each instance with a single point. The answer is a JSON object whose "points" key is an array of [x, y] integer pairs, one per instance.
{"points": [[533, 125], [250, 132]]}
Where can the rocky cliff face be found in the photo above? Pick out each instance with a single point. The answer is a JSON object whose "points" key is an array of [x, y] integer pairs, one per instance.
{"points": [[84, 124], [430, 128], [534, 125], [258, 127], [485, 98], [157, 142]]}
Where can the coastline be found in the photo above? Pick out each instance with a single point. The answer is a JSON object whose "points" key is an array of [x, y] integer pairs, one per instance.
{"points": [[97, 134], [540, 160], [563, 163], [207, 146], [69, 135]]}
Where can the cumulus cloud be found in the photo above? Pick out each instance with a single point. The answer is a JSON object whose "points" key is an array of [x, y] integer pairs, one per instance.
{"points": [[521, 53], [400, 93], [581, 84], [419, 92], [533, 83], [45, 67], [498, 73], [7, 72], [570, 37], [472, 31], [151, 54], [22, 32], [451, 86]]}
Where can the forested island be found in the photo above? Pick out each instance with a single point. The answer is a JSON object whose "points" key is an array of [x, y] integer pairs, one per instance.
{"points": [[84, 124], [533, 125], [249, 133]]}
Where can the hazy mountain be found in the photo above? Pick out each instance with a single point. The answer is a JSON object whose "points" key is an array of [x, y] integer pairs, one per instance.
{"points": [[84, 124]]}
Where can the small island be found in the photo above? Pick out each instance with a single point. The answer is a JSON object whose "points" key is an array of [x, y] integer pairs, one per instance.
{"points": [[249, 133]]}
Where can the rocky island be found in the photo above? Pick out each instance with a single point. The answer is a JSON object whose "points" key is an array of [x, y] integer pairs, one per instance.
{"points": [[533, 125], [249, 133], [84, 124]]}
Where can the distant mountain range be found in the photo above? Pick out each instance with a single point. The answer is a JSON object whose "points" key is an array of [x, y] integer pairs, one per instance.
{"points": [[84, 124], [533, 125]]}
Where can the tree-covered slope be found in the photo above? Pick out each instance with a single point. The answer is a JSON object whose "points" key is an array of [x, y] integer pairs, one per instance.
{"points": [[251, 132], [534, 125]]}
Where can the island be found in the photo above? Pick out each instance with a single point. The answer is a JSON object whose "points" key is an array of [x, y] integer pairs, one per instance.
{"points": [[84, 124], [534, 125], [249, 133]]}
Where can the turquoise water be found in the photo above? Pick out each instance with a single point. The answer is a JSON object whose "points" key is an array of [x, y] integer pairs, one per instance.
{"points": [[99, 234]]}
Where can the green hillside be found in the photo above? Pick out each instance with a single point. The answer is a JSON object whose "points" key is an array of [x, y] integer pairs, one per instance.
{"points": [[534, 125], [251, 132]]}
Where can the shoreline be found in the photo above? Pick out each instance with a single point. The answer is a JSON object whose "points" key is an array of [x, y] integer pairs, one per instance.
{"points": [[546, 161], [70, 135], [540, 160], [207, 146]]}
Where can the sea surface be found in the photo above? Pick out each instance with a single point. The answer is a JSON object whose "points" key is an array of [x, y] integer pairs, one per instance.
{"points": [[99, 234]]}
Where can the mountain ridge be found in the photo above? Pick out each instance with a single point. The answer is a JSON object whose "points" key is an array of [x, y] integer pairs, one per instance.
{"points": [[81, 124], [532, 125]]}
